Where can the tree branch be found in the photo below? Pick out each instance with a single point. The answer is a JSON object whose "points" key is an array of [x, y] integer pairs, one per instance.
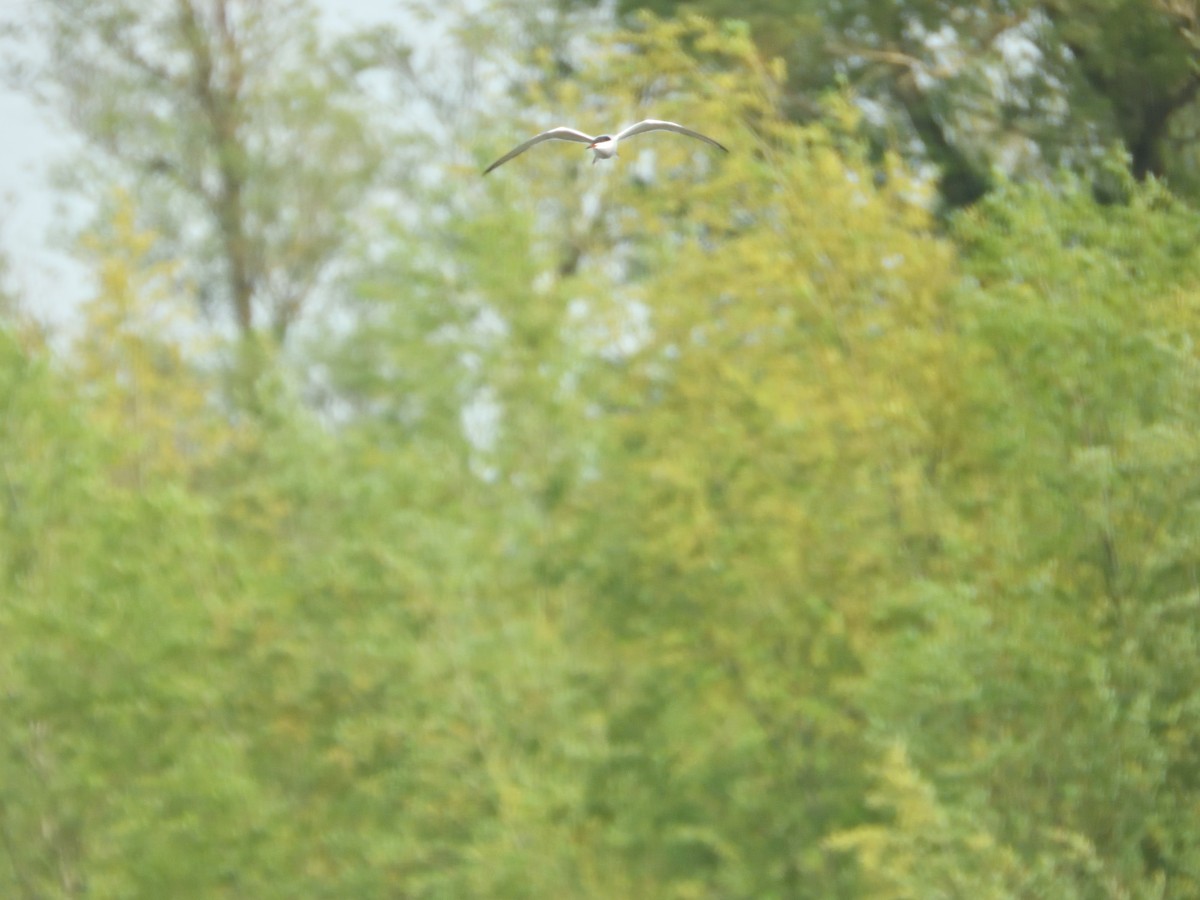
{"points": [[220, 103]]}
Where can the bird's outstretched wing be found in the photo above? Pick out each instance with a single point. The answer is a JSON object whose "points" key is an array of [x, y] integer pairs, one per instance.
{"points": [[659, 125], [561, 133]]}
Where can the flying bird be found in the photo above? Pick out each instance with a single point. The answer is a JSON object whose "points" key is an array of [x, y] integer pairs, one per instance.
{"points": [[604, 146]]}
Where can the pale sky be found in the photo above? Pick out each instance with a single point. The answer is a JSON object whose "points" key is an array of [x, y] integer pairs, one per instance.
{"points": [[32, 211]]}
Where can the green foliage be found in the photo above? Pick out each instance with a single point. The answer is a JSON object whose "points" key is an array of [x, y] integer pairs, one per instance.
{"points": [[929, 850], [804, 550], [1015, 87], [139, 356], [1039, 712]]}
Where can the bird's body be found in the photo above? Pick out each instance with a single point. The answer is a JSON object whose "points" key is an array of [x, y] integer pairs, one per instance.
{"points": [[603, 146]]}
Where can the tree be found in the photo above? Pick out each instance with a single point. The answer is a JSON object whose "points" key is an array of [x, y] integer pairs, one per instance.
{"points": [[1018, 88], [138, 357], [687, 428], [1037, 681], [245, 134]]}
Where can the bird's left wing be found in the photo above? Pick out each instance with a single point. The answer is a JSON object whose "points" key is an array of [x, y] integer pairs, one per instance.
{"points": [[561, 133], [659, 125]]}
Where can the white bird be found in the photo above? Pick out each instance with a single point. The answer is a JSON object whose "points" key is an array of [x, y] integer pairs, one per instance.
{"points": [[604, 146]]}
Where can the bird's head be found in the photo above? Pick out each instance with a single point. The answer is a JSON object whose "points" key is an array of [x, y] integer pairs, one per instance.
{"points": [[602, 139]]}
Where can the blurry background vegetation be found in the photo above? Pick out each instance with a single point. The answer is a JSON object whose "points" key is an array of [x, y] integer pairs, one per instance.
{"points": [[820, 520]]}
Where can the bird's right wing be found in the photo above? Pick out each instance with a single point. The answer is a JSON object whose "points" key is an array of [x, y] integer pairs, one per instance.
{"points": [[659, 125], [561, 133]]}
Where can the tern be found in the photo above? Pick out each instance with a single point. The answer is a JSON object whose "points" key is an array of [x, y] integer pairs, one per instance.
{"points": [[603, 146]]}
